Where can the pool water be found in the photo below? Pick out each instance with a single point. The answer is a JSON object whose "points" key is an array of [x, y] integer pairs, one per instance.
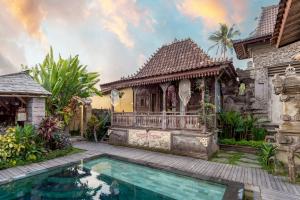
{"points": [[110, 179]]}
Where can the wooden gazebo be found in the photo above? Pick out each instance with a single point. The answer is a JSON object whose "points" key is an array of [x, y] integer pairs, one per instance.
{"points": [[22, 100]]}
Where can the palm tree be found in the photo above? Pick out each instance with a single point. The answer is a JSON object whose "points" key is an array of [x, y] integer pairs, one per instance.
{"points": [[223, 39]]}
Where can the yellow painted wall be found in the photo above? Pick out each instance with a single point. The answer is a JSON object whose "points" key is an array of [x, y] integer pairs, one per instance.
{"points": [[126, 102]]}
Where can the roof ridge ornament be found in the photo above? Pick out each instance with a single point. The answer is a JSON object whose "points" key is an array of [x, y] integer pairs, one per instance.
{"points": [[290, 71]]}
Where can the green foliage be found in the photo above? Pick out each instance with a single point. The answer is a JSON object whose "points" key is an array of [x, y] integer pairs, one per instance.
{"points": [[50, 130], [20, 143], [259, 133], [45, 156], [267, 155], [97, 127], [222, 39], [65, 79], [234, 125], [250, 143]]}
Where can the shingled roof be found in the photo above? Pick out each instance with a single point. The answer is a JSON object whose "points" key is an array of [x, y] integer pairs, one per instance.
{"points": [[262, 33], [178, 60], [21, 84]]}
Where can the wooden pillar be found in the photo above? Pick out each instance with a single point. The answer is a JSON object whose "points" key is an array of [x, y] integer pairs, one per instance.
{"points": [[164, 87], [203, 103], [81, 119], [134, 106], [217, 93]]}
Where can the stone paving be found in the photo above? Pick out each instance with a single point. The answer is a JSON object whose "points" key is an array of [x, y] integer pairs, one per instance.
{"points": [[266, 186], [237, 158]]}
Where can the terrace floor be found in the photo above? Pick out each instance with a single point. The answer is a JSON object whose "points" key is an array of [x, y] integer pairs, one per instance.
{"points": [[263, 184]]}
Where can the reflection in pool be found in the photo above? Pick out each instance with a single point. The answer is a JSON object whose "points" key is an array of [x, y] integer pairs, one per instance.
{"points": [[106, 178]]}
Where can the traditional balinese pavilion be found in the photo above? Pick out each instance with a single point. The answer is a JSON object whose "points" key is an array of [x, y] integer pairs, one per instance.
{"points": [[169, 94], [22, 100]]}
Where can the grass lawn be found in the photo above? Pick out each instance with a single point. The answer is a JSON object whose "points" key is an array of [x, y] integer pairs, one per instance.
{"points": [[236, 158], [48, 156]]}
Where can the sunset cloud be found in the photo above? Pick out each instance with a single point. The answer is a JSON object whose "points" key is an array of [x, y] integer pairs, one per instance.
{"points": [[30, 14], [117, 16], [213, 12]]}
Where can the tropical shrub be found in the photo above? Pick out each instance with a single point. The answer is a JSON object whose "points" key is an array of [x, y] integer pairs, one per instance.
{"points": [[240, 127], [97, 127], [250, 143], [48, 126], [65, 79], [267, 155], [51, 132], [259, 133], [20, 143]]}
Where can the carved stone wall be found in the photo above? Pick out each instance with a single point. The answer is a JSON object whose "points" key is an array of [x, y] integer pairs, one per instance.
{"points": [[288, 134], [264, 57], [179, 142]]}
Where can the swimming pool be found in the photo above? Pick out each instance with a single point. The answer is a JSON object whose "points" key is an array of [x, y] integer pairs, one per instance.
{"points": [[107, 178]]}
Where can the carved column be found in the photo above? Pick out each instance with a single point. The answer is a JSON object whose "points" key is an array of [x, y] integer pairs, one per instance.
{"points": [[202, 88], [164, 87], [134, 90]]}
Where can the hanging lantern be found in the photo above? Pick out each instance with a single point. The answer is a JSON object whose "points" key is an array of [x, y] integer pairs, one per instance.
{"points": [[185, 91], [115, 97]]}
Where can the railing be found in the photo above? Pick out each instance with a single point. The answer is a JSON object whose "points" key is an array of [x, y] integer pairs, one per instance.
{"points": [[169, 120]]}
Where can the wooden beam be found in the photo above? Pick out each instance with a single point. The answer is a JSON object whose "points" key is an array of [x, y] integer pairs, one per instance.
{"points": [[22, 100], [285, 15], [3, 105]]}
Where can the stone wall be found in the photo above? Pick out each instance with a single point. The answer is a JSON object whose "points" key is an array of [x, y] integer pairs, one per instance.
{"points": [[36, 110], [179, 142], [266, 56]]}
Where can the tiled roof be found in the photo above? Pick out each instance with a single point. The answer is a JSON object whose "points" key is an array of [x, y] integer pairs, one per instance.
{"points": [[175, 57], [170, 62], [267, 21], [21, 84], [263, 31]]}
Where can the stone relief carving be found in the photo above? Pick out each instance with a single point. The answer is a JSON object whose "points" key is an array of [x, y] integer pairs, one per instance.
{"points": [[262, 75]]}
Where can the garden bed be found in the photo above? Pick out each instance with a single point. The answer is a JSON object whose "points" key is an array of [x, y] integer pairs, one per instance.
{"points": [[48, 156], [238, 148]]}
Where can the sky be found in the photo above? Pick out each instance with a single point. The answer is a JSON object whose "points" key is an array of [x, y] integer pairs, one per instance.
{"points": [[114, 37]]}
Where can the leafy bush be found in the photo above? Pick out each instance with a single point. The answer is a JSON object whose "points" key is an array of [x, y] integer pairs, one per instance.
{"points": [[250, 143], [51, 132], [267, 155], [60, 141], [240, 127], [20, 143], [259, 133], [97, 127]]}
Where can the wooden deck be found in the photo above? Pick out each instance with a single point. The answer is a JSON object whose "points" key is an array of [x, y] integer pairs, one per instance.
{"points": [[269, 186]]}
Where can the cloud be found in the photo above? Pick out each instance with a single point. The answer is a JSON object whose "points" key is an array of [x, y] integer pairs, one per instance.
{"points": [[213, 12], [6, 66], [30, 14], [117, 16]]}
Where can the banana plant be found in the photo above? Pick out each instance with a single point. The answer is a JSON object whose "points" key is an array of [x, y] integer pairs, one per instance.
{"points": [[65, 79]]}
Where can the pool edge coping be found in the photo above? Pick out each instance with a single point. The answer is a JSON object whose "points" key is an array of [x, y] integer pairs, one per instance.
{"points": [[234, 190]]}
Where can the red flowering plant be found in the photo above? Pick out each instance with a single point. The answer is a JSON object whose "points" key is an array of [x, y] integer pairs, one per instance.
{"points": [[50, 130]]}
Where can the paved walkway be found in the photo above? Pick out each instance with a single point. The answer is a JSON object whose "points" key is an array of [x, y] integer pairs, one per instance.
{"points": [[270, 187]]}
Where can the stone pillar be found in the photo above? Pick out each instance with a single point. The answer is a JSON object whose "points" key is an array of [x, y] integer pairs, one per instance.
{"points": [[36, 110], [164, 87], [202, 87]]}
